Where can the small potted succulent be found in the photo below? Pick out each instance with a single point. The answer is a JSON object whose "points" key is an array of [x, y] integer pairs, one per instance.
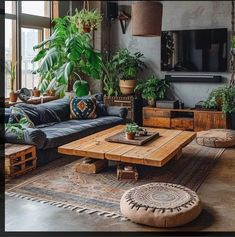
{"points": [[128, 66], [87, 20], [131, 130], [12, 71]]}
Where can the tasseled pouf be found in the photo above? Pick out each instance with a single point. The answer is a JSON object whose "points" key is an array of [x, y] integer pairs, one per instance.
{"points": [[160, 205]]}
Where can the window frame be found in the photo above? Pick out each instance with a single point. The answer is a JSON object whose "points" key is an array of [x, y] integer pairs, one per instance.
{"points": [[24, 20]]}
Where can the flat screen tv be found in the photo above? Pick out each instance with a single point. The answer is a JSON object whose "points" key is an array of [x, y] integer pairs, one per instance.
{"points": [[194, 50]]}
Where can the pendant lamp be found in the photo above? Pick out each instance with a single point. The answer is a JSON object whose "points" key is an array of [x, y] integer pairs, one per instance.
{"points": [[146, 18]]}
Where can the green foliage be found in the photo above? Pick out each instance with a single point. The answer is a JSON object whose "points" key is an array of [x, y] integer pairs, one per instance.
{"points": [[18, 128], [11, 69], [152, 88], [223, 97], [132, 128], [110, 78], [128, 65], [81, 88], [233, 42], [66, 52], [87, 18]]}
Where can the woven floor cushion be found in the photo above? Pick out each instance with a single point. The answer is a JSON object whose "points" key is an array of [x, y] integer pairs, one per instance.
{"points": [[160, 205], [216, 138]]}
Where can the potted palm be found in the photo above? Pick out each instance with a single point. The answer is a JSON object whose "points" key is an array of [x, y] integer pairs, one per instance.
{"points": [[131, 130], [87, 20], [63, 55], [128, 66], [152, 89], [12, 71]]}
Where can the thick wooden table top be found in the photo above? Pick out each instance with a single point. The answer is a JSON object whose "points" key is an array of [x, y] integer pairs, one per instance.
{"points": [[156, 152]]}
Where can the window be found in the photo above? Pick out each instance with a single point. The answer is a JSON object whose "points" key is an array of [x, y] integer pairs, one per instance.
{"points": [[38, 8], [33, 24]]}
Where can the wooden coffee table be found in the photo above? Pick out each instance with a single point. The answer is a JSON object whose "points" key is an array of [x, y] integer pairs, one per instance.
{"points": [[156, 152]]}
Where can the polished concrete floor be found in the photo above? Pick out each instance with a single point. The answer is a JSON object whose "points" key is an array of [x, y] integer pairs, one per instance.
{"points": [[217, 194]]}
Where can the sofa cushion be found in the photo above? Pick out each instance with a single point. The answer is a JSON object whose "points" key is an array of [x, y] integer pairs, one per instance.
{"points": [[40, 114], [31, 136], [117, 111], [220, 138], [68, 131], [17, 114], [83, 108]]}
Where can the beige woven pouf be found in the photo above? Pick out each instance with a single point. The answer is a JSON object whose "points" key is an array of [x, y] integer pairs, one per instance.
{"points": [[220, 138], [160, 205]]}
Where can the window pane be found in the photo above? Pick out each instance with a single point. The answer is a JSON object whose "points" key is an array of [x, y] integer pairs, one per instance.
{"points": [[29, 38], [10, 7], [38, 8], [10, 32]]}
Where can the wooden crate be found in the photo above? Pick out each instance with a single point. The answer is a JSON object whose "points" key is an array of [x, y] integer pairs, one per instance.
{"points": [[19, 159], [91, 166], [132, 103], [123, 174]]}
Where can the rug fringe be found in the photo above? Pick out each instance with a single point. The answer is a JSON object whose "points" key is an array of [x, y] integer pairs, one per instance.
{"points": [[70, 207]]}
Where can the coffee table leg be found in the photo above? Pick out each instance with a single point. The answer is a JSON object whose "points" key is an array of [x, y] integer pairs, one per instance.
{"points": [[91, 166]]}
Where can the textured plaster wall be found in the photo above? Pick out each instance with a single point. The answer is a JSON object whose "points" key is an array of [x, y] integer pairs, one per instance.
{"points": [[177, 15]]}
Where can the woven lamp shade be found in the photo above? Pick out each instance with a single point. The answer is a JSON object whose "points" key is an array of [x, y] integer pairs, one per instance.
{"points": [[146, 18]]}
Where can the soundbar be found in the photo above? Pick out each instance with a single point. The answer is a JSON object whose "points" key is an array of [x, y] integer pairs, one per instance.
{"points": [[193, 78]]}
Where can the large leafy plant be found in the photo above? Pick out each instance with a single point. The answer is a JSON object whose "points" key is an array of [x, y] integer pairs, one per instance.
{"points": [[127, 64], [152, 88], [223, 98], [64, 53]]}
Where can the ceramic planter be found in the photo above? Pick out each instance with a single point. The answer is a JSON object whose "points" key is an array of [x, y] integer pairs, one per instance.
{"points": [[36, 92], [130, 135], [127, 87], [13, 96]]}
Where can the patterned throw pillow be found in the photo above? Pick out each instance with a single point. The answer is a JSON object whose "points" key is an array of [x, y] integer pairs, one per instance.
{"points": [[83, 108], [17, 114]]}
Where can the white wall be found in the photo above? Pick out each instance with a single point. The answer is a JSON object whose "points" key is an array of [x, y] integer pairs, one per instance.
{"points": [[177, 15]]}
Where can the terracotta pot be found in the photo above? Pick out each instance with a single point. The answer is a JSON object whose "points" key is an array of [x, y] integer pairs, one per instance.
{"points": [[86, 28], [127, 87], [36, 92], [130, 136], [151, 102], [50, 93], [13, 96]]}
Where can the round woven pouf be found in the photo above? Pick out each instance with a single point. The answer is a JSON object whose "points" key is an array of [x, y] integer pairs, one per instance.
{"points": [[160, 204]]}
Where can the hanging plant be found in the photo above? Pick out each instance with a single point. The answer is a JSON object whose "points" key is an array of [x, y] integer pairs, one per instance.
{"points": [[87, 20]]}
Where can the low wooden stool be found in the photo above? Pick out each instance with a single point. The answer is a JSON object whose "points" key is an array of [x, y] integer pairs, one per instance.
{"points": [[19, 159], [127, 172], [91, 166]]}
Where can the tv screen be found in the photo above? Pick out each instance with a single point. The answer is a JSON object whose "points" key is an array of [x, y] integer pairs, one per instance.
{"points": [[194, 50]]}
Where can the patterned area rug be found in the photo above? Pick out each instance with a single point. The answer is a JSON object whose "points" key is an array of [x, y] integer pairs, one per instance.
{"points": [[60, 185]]}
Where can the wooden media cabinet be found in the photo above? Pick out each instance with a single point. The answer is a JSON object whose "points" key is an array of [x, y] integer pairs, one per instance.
{"points": [[184, 119]]}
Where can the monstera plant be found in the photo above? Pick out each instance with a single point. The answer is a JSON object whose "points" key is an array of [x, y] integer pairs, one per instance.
{"points": [[66, 52]]}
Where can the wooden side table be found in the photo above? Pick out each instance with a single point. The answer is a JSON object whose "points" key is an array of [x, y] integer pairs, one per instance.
{"points": [[132, 103], [19, 159]]}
